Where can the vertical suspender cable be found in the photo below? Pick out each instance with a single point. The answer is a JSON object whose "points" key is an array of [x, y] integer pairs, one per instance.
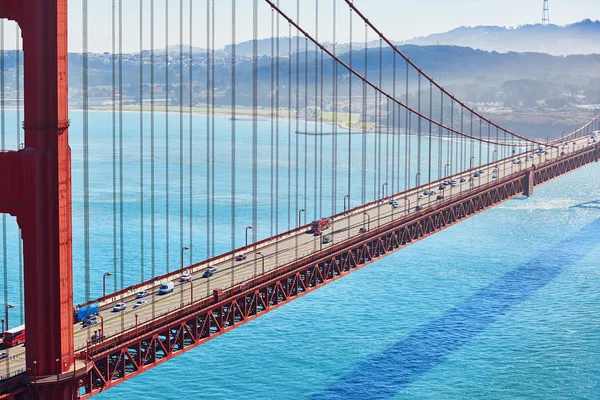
{"points": [[395, 185], [272, 91], [297, 109], [419, 134], [334, 140], [407, 138], [121, 252], [316, 102], [305, 197], [3, 147], [142, 249], [255, 120], [152, 145], [429, 178], [351, 56], [321, 141], [209, 89], [181, 126], [86, 181], [167, 205], [190, 138], [363, 186], [114, 147], [441, 163], [289, 143], [233, 138], [19, 144], [212, 131], [277, 65]]}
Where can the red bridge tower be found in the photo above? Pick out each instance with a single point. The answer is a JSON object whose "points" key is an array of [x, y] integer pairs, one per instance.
{"points": [[35, 186]]}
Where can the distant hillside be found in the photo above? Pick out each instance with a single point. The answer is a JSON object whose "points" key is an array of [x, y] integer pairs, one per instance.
{"points": [[580, 38]]}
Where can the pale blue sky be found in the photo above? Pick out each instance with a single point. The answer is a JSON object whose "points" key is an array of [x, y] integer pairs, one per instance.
{"points": [[398, 19]]}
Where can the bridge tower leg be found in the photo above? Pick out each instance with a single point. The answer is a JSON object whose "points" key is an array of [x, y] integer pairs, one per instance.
{"points": [[36, 182], [528, 182]]}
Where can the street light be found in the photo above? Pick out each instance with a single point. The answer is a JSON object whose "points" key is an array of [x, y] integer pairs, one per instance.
{"points": [[446, 169], [494, 155], [7, 307], [417, 176], [348, 196], [406, 199], [182, 250], [548, 139], [471, 162], [384, 190], [104, 283], [249, 227], [300, 217], [262, 256], [368, 221], [191, 291]]}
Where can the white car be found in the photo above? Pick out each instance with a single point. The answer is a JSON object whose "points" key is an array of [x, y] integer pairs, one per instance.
{"points": [[140, 303], [185, 277], [119, 307]]}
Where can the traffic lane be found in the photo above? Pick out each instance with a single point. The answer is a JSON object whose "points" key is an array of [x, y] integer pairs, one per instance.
{"points": [[352, 222]]}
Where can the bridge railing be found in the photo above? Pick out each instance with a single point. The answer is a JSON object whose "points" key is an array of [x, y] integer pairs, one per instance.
{"points": [[152, 283]]}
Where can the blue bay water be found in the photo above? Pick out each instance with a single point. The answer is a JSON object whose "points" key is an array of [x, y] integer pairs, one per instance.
{"points": [[503, 305]]}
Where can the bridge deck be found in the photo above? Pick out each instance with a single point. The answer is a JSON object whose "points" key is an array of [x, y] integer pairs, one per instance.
{"points": [[282, 251]]}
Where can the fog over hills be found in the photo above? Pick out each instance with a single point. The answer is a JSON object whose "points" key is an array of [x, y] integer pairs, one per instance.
{"points": [[579, 38]]}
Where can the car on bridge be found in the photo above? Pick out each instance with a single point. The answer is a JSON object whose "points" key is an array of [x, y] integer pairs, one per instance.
{"points": [[362, 230], [209, 271], [185, 277], [89, 321], [141, 294], [327, 239], [119, 307], [140, 303], [440, 197], [3, 355], [241, 257]]}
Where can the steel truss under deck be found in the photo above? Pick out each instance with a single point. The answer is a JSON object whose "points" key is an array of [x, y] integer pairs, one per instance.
{"points": [[127, 355]]}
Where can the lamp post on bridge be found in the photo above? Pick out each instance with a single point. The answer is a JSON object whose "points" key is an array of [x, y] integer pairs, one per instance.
{"points": [[417, 180], [9, 306], [300, 217], [446, 170], [183, 249], [262, 257], [406, 199], [384, 190], [249, 227], [104, 283], [191, 291], [348, 196], [494, 155], [368, 221]]}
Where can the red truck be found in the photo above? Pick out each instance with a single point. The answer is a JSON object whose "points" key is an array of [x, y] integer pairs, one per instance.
{"points": [[320, 225]]}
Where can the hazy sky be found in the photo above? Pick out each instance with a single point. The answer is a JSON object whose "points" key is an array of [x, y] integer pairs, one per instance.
{"points": [[397, 19]]}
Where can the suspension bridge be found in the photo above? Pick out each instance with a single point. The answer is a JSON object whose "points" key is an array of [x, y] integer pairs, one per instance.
{"points": [[213, 144]]}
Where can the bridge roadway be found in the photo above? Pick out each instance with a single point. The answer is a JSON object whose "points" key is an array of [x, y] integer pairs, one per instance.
{"points": [[286, 250]]}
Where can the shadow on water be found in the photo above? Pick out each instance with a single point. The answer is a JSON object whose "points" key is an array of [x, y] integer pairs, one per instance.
{"points": [[385, 375], [594, 205]]}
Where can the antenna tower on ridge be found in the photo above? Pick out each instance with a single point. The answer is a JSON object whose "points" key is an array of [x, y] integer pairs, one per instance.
{"points": [[546, 14]]}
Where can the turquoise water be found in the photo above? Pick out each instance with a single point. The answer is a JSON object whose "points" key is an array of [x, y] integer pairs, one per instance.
{"points": [[501, 306]]}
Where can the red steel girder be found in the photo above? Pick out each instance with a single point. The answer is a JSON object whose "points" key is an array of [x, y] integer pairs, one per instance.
{"points": [[211, 319]]}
